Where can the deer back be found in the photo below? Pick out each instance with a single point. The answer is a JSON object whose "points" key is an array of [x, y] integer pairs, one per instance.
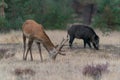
{"points": [[31, 29]]}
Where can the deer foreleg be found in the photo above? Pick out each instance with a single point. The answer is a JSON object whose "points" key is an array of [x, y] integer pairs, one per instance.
{"points": [[29, 49], [24, 46]]}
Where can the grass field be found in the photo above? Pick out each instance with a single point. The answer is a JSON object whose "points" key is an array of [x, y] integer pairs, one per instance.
{"points": [[67, 67]]}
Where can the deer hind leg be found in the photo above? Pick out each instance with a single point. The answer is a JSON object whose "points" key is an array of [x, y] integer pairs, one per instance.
{"points": [[24, 46], [30, 42], [39, 47]]}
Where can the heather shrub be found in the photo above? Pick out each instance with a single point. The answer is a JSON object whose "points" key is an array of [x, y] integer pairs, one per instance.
{"points": [[95, 71]]}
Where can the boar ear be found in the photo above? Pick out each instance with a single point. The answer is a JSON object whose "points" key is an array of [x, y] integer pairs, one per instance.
{"points": [[95, 37]]}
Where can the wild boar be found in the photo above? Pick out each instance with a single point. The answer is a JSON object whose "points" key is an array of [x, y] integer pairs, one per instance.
{"points": [[83, 32]]}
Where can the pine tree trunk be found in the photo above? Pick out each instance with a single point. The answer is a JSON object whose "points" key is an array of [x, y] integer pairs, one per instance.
{"points": [[2, 12]]}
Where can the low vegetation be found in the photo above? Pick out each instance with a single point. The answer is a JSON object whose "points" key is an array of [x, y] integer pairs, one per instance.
{"points": [[69, 67]]}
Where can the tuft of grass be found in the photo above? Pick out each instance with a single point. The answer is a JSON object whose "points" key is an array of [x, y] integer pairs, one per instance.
{"points": [[3, 52], [26, 71]]}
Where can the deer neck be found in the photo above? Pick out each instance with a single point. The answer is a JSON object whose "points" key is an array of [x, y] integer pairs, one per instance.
{"points": [[51, 49], [48, 45]]}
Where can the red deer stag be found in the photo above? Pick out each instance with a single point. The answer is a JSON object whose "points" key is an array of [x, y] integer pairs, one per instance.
{"points": [[35, 32]]}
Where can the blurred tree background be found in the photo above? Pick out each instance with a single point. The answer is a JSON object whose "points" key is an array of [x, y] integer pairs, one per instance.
{"points": [[56, 14]]}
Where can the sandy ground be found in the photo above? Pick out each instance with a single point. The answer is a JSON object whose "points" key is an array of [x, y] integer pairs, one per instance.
{"points": [[67, 67]]}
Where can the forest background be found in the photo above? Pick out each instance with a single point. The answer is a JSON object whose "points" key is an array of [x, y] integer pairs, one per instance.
{"points": [[58, 14]]}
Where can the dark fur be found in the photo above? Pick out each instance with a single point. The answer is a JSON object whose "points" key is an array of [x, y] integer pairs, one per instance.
{"points": [[83, 32]]}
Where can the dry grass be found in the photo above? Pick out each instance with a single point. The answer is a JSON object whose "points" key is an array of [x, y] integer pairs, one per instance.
{"points": [[67, 67]]}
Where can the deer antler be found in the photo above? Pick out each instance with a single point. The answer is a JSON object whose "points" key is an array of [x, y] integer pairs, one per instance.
{"points": [[61, 45]]}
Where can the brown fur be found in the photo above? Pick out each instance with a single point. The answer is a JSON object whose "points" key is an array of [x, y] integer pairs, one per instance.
{"points": [[35, 32]]}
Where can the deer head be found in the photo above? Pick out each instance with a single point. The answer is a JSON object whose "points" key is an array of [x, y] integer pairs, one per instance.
{"points": [[57, 50]]}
